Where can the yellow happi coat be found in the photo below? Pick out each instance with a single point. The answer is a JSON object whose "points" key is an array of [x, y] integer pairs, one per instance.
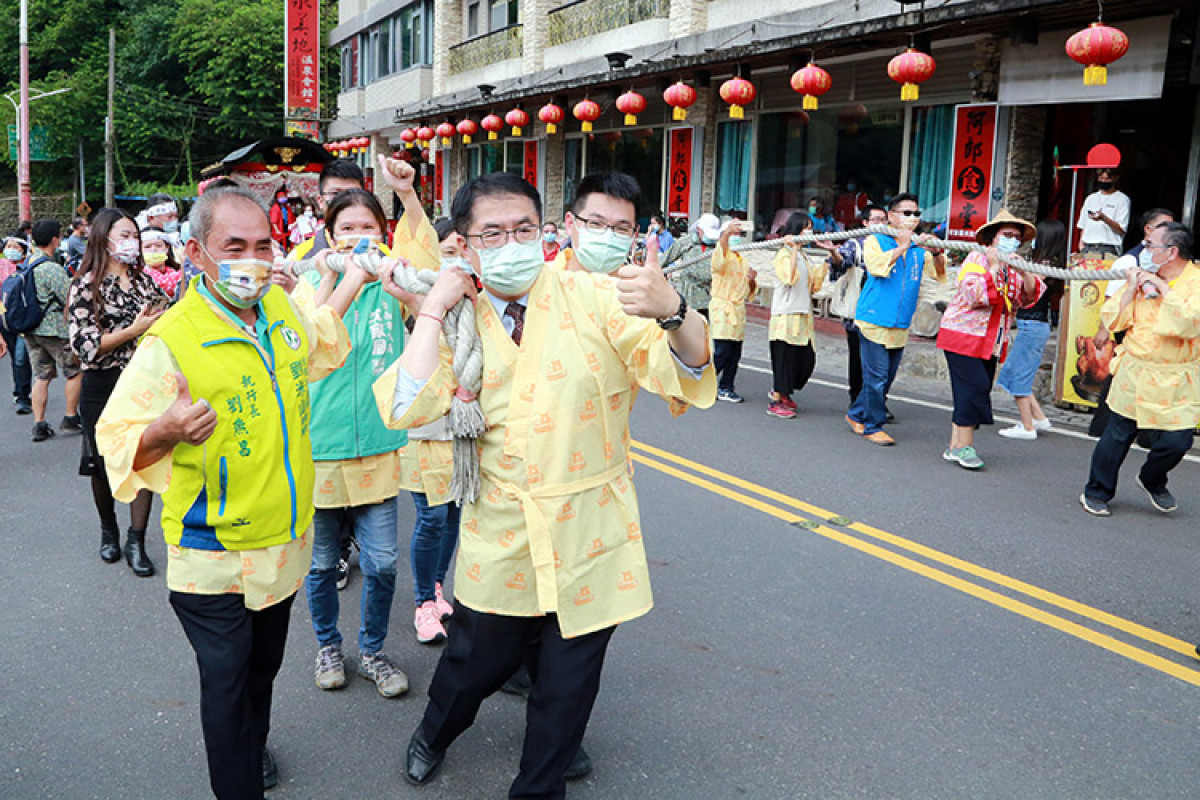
{"points": [[730, 291], [556, 528]]}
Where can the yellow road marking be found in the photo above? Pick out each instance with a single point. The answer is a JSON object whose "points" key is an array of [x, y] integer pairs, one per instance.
{"points": [[1101, 640]]}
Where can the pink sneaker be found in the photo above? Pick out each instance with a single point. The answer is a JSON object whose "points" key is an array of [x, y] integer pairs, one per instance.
{"points": [[778, 409], [429, 627], [445, 609]]}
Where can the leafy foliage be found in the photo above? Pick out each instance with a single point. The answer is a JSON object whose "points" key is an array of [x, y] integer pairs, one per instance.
{"points": [[195, 80]]}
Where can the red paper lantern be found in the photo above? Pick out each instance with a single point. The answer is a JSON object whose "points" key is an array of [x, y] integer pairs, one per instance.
{"points": [[363, 143], [680, 97], [493, 125], [425, 135], [812, 82], [467, 128], [587, 112], [631, 104], [738, 92], [408, 136], [552, 115], [446, 132], [911, 68], [518, 119], [1095, 47]]}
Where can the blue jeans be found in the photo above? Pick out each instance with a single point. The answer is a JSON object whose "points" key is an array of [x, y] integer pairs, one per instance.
{"points": [[1167, 449], [375, 530], [21, 370], [879, 366], [434, 538], [1024, 357]]}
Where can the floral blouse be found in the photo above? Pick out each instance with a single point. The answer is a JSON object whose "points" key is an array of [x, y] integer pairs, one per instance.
{"points": [[119, 308]]}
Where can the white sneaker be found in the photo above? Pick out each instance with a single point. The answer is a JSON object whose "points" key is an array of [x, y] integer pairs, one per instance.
{"points": [[1017, 432], [1042, 425]]}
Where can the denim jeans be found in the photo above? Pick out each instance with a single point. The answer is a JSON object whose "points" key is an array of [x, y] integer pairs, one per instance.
{"points": [[1167, 449], [435, 535], [375, 530], [22, 372], [879, 366]]}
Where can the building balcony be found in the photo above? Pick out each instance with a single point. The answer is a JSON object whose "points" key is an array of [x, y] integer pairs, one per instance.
{"points": [[584, 18], [486, 50]]}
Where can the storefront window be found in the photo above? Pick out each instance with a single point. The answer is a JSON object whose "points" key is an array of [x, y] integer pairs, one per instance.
{"points": [[733, 166], [638, 153], [802, 156], [514, 157], [572, 170], [930, 157]]}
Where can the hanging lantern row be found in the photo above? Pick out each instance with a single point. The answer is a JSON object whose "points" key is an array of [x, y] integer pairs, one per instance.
{"points": [[1095, 47], [466, 129], [445, 132], [493, 125], [358, 144], [409, 137], [910, 69]]}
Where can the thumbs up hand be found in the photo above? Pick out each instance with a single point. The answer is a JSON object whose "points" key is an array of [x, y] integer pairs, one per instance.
{"points": [[187, 421], [644, 291]]}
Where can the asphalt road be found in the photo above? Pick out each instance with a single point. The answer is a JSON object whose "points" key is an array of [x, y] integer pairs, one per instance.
{"points": [[833, 620]]}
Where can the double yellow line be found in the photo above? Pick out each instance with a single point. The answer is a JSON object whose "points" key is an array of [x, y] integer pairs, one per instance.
{"points": [[868, 541]]}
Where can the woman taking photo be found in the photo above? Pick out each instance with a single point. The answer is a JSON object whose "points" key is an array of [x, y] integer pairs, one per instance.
{"points": [[974, 330], [112, 302], [1033, 329]]}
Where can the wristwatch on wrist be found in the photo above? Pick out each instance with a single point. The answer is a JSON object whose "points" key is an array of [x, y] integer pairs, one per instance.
{"points": [[673, 322]]}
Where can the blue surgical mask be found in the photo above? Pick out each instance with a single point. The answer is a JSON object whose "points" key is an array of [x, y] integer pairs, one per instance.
{"points": [[457, 262], [171, 226], [735, 241], [1146, 260], [510, 270], [1008, 244], [14, 254], [549, 238], [601, 252]]}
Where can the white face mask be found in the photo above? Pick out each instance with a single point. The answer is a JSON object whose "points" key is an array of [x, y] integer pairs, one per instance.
{"points": [[357, 242], [125, 250], [1008, 244]]}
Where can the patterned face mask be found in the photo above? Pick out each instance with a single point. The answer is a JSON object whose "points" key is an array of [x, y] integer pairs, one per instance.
{"points": [[241, 282], [126, 250]]}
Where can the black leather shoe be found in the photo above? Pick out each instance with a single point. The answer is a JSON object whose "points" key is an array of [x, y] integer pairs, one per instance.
{"points": [[110, 546], [135, 554], [581, 766], [270, 770], [422, 761]]}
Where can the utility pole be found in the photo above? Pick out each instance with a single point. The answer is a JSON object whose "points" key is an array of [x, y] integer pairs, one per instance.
{"points": [[24, 188], [109, 143]]}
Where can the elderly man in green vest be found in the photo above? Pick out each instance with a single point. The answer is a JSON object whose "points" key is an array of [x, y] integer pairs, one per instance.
{"points": [[213, 413]]}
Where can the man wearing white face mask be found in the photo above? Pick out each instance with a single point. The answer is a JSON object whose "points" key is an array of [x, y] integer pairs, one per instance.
{"points": [[213, 413], [601, 224], [550, 555]]}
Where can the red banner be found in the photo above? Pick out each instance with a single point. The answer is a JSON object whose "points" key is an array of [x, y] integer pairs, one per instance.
{"points": [[439, 159], [302, 74], [679, 183], [971, 175], [531, 163]]}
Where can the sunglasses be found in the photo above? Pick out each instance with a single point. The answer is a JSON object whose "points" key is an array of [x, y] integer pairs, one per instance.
{"points": [[908, 213]]}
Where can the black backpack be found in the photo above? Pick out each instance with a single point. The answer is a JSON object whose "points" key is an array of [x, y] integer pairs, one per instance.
{"points": [[22, 312]]}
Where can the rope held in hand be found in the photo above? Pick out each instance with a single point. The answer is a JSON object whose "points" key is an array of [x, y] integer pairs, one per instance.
{"points": [[1045, 270], [466, 417]]}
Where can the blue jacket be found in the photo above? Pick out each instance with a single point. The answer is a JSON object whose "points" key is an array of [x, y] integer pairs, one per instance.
{"points": [[891, 302]]}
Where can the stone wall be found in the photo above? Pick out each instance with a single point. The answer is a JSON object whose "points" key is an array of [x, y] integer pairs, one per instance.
{"points": [[447, 31], [1022, 176], [688, 17]]}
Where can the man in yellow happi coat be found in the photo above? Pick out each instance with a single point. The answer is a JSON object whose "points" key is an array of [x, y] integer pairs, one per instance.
{"points": [[551, 557], [732, 285], [1156, 373]]}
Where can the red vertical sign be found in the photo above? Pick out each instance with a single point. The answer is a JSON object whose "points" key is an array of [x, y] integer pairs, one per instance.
{"points": [[439, 161], [301, 65], [531, 163], [971, 174], [679, 173]]}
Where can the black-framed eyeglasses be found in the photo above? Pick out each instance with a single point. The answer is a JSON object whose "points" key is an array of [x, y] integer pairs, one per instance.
{"points": [[496, 237], [908, 212], [596, 226], [1150, 246]]}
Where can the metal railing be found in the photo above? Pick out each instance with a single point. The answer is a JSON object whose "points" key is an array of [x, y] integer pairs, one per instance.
{"points": [[482, 51], [588, 17]]}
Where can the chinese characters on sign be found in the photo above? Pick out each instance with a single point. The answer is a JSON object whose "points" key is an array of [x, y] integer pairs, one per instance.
{"points": [[531, 163], [679, 173], [302, 74], [971, 174]]}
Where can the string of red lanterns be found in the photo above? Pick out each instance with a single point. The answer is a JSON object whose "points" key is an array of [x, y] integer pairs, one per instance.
{"points": [[466, 129], [446, 132], [493, 125]]}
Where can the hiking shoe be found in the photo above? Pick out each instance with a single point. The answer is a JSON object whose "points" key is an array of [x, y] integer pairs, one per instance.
{"points": [[855, 425], [1018, 431], [42, 431], [730, 396], [331, 668], [1042, 424], [23, 407], [1097, 508], [778, 409], [343, 573], [1164, 501], [389, 680], [71, 424], [965, 457], [445, 608], [880, 438], [428, 623]]}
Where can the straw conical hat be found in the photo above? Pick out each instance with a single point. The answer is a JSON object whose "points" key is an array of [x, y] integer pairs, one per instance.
{"points": [[987, 232]]}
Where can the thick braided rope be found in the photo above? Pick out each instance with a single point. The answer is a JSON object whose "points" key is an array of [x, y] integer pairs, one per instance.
{"points": [[1045, 270], [466, 417]]}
